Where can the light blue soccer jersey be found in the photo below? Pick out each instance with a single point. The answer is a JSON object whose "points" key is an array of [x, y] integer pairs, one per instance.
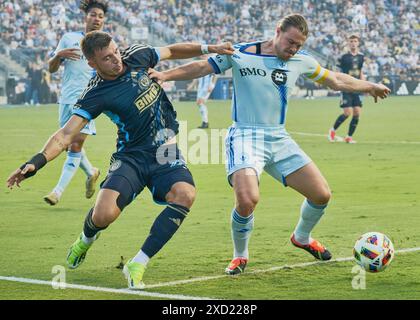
{"points": [[76, 74], [262, 84]]}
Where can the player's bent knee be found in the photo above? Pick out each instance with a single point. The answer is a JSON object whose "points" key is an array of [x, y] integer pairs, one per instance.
{"points": [[104, 215], [246, 203], [182, 194], [322, 198]]}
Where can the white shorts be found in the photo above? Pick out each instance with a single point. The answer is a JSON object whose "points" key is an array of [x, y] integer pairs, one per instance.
{"points": [[66, 111], [263, 148]]}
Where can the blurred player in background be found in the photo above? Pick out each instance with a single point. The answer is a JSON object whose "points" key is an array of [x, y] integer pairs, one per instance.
{"points": [[351, 102], [205, 86], [264, 75], [147, 154], [76, 76]]}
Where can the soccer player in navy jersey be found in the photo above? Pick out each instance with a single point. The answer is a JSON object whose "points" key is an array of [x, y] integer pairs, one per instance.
{"points": [[351, 102], [147, 154], [264, 75], [76, 76]]}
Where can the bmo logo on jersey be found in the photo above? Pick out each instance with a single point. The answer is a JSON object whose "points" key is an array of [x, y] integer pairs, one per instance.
{"points": [[279, 77], [252, 72]]}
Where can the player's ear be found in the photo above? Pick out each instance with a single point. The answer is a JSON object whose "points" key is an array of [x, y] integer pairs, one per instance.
{"points": [[91, 63]]}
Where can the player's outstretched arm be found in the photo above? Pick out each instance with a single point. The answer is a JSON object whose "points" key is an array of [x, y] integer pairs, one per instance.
{"points": [[187, 71], [190, 50], [56, 144], [343, 82], [55, 62]]}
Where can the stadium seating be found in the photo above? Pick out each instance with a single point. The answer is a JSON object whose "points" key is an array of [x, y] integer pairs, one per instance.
{"points": [[391, 44]]}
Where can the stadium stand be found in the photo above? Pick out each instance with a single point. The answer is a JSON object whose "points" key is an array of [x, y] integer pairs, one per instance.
{"points": [[30, 29]]}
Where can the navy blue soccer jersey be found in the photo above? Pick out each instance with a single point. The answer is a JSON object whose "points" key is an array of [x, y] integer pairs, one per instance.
{"points": [[352, 64], [136, 104]]}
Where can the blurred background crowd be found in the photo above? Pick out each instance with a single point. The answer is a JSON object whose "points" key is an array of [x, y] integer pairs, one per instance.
{"points": [[389, 31]]}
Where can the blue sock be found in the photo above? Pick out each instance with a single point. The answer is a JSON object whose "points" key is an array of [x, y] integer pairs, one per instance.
{"points": [[69, 169], [241, 232], [85, 164], [164, 227], [310, 214]]}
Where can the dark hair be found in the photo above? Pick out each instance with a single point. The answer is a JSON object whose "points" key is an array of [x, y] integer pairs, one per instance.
{"points": [[87, 5], [94, 41], [354, 36], [294, 20]]}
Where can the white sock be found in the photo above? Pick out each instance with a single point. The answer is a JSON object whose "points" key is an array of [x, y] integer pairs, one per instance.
{"points": [[67, 173], [310, 214], [241, 233], [88, 240], [85, 164], [142, 258], [204, 112]]}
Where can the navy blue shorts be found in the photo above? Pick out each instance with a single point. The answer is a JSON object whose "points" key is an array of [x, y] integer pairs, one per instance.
{"points": [[349, 100], [130, 172]]}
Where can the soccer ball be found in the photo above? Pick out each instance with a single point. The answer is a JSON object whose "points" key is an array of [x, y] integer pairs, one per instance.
{"points": [[373, 251]]}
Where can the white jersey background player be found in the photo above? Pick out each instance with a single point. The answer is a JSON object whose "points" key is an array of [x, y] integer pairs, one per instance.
{"points": [[75, 78], [205, 86], [264, 74]]}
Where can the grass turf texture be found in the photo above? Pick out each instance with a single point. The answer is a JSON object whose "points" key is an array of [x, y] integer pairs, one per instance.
{"points": [[375, 186]]}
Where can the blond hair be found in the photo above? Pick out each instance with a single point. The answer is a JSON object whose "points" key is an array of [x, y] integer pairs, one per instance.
{"points": [[294, 20]]}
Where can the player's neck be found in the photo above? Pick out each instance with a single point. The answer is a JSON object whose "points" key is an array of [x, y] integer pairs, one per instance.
{"points": [[267, 48], [354, 52]]}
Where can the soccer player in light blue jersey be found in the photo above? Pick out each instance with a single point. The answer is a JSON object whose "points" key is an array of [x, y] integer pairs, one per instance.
{"points": [[205, 86], [76, 76], [264, 75]]}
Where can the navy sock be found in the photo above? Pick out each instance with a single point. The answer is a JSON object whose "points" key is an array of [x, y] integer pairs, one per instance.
{"points": [[353, 125], [164, 227], [89, 228], [341, 118]]}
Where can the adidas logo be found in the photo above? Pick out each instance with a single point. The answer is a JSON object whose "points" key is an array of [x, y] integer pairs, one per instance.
{"points": [[417, 91], [402, 90], [176, 221]]}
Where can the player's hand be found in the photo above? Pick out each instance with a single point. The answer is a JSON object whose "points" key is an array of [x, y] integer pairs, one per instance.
{"points": [[71, 54], [18, 175], [159, 77], [223, 48], [379, 90]]}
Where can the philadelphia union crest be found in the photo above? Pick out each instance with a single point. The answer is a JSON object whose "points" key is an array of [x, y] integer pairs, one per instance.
{"points": [[141, 79], [116, 164], [144, 81]]}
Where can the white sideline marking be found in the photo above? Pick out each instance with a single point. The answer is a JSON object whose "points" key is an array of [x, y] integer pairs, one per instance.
{"points": [[174, 283], [363, 142], [299, 265], [109, 290]]}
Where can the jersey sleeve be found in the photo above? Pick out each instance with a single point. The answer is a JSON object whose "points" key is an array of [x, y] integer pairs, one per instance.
{"points": [[220, 63], [62, 44], [312, 70], [140, 55], [89, 105]]}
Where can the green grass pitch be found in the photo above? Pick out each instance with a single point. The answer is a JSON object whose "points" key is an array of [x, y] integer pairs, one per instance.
{"points": [[375, 185]]}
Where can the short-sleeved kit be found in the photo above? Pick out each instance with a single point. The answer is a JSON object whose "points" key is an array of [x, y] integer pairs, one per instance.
{"points": [[262, 85], [146, 122]]}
